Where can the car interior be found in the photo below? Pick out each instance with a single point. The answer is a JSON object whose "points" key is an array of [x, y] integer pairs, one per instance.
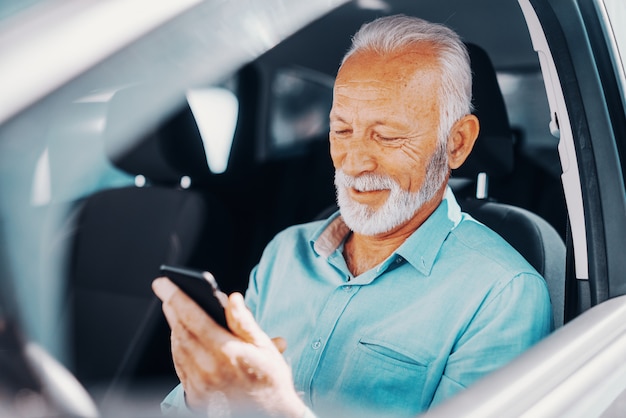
{"points": [[156, 200], [279, 173]]}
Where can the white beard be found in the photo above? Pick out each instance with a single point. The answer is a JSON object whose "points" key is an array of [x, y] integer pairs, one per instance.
{"points": [[400, 206]]}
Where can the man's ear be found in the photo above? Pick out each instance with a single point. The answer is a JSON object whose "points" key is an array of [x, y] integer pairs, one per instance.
{"points": [[461, 140]]}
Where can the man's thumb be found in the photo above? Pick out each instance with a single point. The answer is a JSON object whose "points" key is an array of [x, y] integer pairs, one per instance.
{"points": [[242, 323]]}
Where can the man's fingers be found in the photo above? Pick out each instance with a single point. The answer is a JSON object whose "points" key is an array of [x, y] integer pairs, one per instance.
{"points": [[242, 323], [186, 349], [280, 344], [181, 310], [164, 288]]}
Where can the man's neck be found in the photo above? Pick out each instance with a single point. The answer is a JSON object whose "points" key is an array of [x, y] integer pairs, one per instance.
{"points": [[364, 252]]}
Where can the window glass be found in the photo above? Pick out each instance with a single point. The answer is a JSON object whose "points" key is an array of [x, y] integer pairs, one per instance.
{"points": [[9, 8], [299, 108], [613, 15], [529, 114], [73, 163]]}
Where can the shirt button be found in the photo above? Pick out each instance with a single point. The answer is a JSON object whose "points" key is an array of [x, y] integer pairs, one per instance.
{"points": [[316, 345], [347, 288]]}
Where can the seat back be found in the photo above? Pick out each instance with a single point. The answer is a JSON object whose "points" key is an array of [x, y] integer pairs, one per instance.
{"points": [[492, 156], [533, 237], [122, 236]]}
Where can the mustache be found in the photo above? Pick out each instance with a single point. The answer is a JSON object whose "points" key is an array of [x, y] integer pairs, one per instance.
{"points": [[365, 182]]}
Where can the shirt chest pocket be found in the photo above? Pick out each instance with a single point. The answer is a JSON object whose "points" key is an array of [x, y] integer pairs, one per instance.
{"points": [[381, 376], [388, 354]]}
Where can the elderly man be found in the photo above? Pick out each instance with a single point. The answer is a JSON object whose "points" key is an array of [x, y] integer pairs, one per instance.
{"points": [[398, 301]]}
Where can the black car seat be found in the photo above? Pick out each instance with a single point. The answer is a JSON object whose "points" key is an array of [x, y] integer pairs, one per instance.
{"points": [[123, 235], [493, 157]]}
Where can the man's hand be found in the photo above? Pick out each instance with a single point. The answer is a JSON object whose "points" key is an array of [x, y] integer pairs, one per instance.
{"points": [[245, 365]]}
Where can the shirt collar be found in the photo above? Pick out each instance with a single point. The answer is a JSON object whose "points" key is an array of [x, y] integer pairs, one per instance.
{"points": [[423, 246], [330, 235], [420, 249]]}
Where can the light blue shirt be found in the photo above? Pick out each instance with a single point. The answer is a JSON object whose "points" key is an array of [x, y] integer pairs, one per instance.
{"points": [[451, 304]]}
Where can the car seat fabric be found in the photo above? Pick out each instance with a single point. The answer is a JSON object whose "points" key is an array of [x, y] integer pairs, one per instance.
{"points": [[533, 237], [121, 238], [162, 151], [493, 151]]}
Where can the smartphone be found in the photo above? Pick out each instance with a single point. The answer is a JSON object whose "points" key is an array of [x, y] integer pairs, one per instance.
{"points": [[200, 286]]}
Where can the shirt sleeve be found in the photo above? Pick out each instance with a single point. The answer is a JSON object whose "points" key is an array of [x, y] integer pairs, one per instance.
{"points": [[259, 275], [510, 320], [174, 404], [252, 292]]}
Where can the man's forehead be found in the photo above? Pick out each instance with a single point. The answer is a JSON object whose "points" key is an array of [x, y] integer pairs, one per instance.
{"points": [[371, 69], [373, 79], [370, 86], [413, 56]]}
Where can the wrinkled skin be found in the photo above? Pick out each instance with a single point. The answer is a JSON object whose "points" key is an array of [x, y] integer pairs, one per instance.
{"points": [[385, 120]]}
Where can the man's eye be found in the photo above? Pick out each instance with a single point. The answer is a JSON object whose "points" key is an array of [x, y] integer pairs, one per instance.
{"points": [[386, 138], [341, 132]]}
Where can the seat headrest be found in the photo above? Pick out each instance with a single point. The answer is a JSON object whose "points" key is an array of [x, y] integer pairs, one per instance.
{"points": [[140, 140], [493, 151]]}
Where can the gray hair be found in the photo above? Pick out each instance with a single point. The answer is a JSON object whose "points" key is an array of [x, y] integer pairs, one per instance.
{"points": [[392, 33]]}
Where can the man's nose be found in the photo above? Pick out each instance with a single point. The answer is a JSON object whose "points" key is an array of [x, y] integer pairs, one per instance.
{"points": [[359, 156]]}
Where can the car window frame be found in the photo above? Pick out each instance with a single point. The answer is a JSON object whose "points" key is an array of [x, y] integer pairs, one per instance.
{"points": [[587, 86]]}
